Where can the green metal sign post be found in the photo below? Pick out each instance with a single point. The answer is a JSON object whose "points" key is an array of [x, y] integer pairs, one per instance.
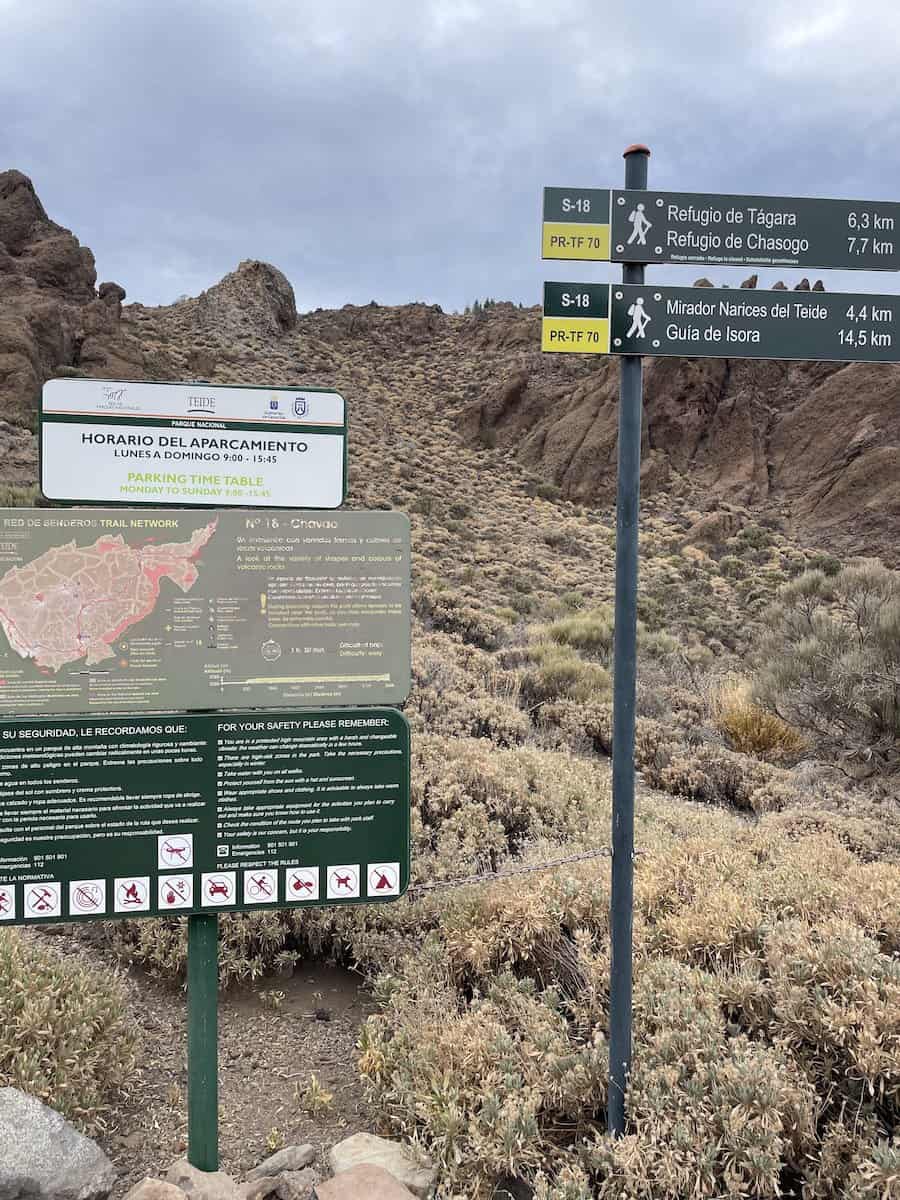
{"points": [[624, 687], [203, 1057]]}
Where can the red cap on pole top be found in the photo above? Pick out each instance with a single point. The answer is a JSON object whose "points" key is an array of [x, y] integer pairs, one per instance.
{"points": [[637, 148]]}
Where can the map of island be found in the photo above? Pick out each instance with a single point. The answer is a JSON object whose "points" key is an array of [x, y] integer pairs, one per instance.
{"points": [[73, 602]]}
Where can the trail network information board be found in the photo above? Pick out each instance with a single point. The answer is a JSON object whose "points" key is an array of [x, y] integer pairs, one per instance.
{"points": [[711, 229], [115, 610], [720, 323], [146, 816], [192, 443]]}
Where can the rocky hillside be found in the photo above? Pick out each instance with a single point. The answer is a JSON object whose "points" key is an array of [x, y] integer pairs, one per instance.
{"points": [[816, 445]]}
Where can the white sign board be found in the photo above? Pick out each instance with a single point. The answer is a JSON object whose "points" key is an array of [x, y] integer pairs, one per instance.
{"points": [[107, 441]]}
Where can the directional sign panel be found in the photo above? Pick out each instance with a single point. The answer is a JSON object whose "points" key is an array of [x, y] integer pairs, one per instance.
{"points": [[754, 231], [722, 323], [708, 229], [111, 817]]}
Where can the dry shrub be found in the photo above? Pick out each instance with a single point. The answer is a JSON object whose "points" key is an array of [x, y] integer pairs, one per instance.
{"points": [[65, 1035], [591, 631], [767, 1031], [750, 728], [447, 611], [474, 807], [832, 662], [458, 691]]}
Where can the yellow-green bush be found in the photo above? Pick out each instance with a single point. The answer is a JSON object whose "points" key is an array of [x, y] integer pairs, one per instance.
{"points": [[750, 728], [558, 672], [65, 1034]]}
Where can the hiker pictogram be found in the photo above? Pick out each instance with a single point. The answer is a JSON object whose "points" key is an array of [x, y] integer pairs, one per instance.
{"points": [[176, 850], [175, 891], [343, 882], [303, 883], [384, 879], [640, 319], [640, 226]]}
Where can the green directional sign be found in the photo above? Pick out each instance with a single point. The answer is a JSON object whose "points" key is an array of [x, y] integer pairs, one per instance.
{"points": [[744, 323], [111, 817], [711, 229], [721, 323], [754, 231]]}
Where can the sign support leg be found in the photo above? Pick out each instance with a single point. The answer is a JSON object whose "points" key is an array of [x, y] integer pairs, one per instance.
{"points": [[203, 1066], [624, 682]]}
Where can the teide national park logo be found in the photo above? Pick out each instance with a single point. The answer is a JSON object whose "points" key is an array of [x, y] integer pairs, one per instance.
{"points": [[203, 405]]}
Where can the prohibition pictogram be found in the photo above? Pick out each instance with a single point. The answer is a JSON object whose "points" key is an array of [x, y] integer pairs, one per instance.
{"points": [[7, 904], [175, 891], [43, 900], [303, 883], [176, 850], [384, 879], [260, 887], [133, 894], [218, 889], [343, 881], [87, 896]]}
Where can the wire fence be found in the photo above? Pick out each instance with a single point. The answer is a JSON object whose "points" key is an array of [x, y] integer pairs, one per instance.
{"points": [[493, 876]]}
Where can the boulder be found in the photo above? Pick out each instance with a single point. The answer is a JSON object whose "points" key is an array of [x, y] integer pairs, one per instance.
{"points": [[43, 1157], [419, 1177], [112, 293], [289, 1185], [154, 1189], [201, 1185], [291, 1158], [363, 1182]]}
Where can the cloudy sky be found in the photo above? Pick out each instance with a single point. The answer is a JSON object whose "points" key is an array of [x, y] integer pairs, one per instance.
{"points": [[396, 149]]}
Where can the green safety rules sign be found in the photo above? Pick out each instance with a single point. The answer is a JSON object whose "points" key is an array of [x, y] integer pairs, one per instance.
{"points": [[150, 816]]}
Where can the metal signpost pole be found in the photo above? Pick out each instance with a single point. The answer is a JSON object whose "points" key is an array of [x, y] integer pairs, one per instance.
{"points": [[625, 667], [203, 1066]]}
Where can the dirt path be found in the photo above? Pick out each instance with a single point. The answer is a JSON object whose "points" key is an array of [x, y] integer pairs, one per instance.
{"points": [[272, 1036]]}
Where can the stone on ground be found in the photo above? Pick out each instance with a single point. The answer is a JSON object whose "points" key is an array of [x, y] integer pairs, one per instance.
{"points": [[43, 1157], [393, 1157], [154, 1189], [289, 1185], [291, 1158], [363, 1182], [201, 1185]]}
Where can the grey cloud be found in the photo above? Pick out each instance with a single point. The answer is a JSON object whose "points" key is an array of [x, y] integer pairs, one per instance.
{"points": [[398, 151]]}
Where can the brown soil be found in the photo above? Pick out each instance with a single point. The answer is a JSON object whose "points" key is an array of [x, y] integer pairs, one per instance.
{"points": [[272, 1036]]}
